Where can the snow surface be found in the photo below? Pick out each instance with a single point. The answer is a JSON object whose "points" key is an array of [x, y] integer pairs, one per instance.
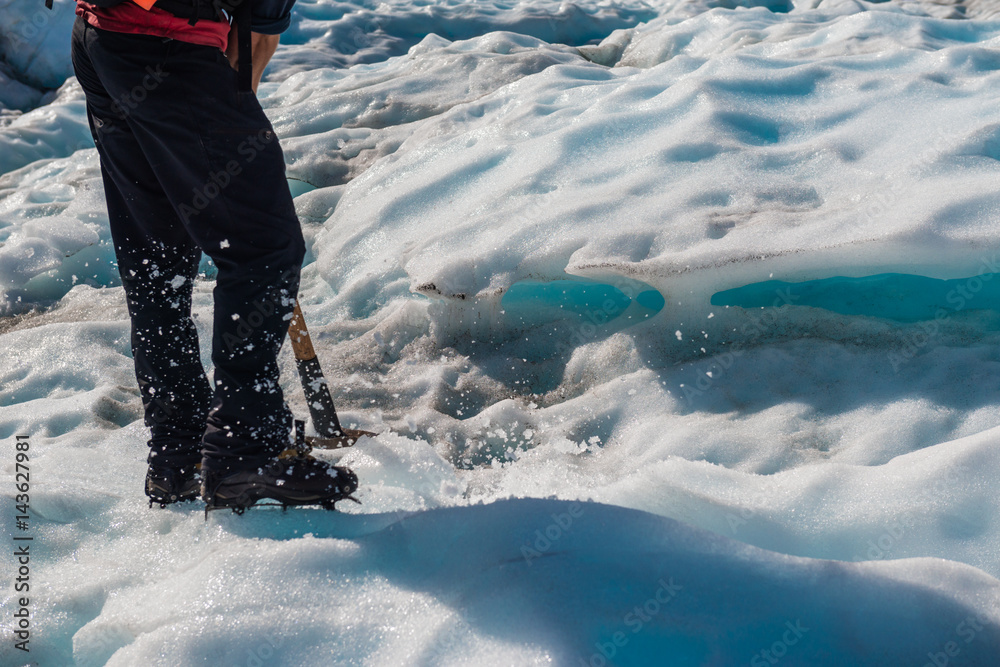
{"points": [[564, 258]]}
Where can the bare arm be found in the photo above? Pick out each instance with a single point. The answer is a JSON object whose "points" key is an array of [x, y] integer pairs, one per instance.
{"points": [[263, 47]]}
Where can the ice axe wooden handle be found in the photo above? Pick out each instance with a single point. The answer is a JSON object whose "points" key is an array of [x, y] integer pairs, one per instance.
{"points": [[324, 416]]}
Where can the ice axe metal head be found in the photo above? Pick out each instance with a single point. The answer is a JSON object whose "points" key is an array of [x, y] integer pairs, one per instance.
{"points": [[324, 415], [346, 439]]}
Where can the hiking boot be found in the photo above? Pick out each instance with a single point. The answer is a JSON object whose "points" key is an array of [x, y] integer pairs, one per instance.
{"points": [[166, 484], [296, 480]]}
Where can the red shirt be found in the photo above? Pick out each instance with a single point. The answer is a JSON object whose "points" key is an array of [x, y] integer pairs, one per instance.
{"points": [[130, 17]]}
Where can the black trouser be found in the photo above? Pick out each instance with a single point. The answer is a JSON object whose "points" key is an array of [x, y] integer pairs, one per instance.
{"points": [[191, 165]]}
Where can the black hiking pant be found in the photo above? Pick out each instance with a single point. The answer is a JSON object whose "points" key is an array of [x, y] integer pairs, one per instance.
{"points": [[191, 165]]}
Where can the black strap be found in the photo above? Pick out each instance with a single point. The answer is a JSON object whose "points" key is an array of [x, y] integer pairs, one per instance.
{"points": [[48, 4], [189, 9], [244, 42]]}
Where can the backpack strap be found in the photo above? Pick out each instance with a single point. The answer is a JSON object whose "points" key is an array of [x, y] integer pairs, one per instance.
{"points": [[245, 43]]}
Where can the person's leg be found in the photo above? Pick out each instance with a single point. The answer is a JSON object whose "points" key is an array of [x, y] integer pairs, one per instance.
{"points": [[215, 157], [157, 261], [158, 278]]}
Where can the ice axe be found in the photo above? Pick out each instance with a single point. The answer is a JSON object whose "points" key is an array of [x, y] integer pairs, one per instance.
{"points": [[324, 416]]}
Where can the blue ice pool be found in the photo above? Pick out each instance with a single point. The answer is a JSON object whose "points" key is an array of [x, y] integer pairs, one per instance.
{"points": [[895, 296]]}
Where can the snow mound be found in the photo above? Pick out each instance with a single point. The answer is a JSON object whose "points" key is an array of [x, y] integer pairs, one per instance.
{"points": [[511, 582]]}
